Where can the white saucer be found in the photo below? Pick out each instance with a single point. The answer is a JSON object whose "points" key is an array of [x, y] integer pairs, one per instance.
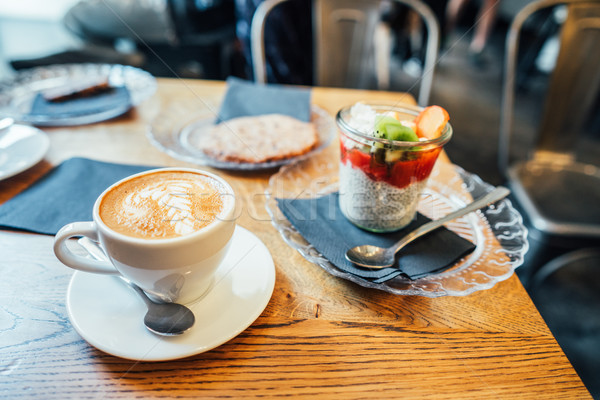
{"points": [[21, 147], [109, 315]]}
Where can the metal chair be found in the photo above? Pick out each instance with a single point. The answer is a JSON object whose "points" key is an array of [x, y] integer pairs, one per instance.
{"points": [[344, 43], [558, 194]]}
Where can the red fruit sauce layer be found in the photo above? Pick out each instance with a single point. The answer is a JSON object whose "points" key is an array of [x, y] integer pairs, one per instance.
{"points": [[400, 173]]}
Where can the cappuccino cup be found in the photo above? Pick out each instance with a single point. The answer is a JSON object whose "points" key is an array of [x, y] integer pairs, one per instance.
{"points": [[166, 230]]}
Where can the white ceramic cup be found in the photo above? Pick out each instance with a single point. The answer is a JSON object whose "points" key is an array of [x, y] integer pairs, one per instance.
{"points": [[178, 269]]}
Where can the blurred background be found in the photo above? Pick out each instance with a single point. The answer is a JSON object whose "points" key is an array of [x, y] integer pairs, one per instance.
{"points": [[210, 39]]}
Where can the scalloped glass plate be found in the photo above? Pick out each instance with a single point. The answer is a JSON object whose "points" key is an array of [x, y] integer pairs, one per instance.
{"points": [[180, 124], [17, 94], [497, 231]]}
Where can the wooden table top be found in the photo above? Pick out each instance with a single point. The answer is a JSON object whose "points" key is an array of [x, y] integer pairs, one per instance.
{"points": [[319, 337]]}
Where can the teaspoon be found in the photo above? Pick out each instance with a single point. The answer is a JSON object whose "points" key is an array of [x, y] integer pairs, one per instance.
{"points": [[377, 257], [167, 319]]}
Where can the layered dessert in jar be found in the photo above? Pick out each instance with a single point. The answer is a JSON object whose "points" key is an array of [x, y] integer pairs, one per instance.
{"points": [[387, 154]]}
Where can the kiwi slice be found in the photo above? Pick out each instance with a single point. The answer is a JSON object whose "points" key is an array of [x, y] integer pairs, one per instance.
{"points": [[401, 133], [390, 128], [381, 123]]}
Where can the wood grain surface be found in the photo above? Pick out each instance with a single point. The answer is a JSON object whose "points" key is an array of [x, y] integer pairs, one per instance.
{"points": [[319, 337]]}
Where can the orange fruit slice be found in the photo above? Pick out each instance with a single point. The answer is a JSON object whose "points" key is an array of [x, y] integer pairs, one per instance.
{"points": [[431, 122]]}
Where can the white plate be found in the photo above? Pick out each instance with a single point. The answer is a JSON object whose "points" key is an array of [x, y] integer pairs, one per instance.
{"points": [[17, 95], [21, 147], [109, 315], [182, 123]]}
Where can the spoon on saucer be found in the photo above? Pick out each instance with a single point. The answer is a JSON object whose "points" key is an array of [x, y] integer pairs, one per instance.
{"points": [[370, 256], [166, 319]]}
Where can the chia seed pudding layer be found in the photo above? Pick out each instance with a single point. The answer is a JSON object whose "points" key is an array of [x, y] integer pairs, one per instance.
{"points": [[376, 205]]}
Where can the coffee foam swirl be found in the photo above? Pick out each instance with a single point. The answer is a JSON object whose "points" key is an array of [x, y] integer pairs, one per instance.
{"points": [[162, 205]]}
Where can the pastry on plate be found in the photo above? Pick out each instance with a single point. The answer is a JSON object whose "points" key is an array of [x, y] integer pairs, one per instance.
{"points": [[259, 139]]}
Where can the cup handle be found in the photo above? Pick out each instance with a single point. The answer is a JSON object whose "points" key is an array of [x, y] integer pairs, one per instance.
{"points": [[75, 229]]}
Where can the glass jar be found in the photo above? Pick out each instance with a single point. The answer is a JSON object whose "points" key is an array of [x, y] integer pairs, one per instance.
{"points": [[381, 180]]}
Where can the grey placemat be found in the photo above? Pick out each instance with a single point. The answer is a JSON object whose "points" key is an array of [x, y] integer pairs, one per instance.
{"points": [[244, 98], [323, 225], [65, 194], [115, 98]]}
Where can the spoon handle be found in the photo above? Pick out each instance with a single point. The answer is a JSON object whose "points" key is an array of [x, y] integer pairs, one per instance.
{"points": [[95, 251], [139, 290], [498, 193]]}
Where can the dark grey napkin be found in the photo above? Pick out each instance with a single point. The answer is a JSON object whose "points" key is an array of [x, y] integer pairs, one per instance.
{"points": [[115, 98], [323, 225], [243, 99], [65, 194]]}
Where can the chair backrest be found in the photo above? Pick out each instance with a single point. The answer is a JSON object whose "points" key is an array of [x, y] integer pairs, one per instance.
{"points": [[344, 32], [558, 193], [344, 42], [573, 87]]}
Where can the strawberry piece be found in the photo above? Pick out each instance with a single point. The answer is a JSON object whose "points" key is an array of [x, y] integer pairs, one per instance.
{"points": [[431, 122]]}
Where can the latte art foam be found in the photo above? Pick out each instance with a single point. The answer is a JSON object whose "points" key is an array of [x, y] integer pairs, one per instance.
{"points": [[162, 205]]}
